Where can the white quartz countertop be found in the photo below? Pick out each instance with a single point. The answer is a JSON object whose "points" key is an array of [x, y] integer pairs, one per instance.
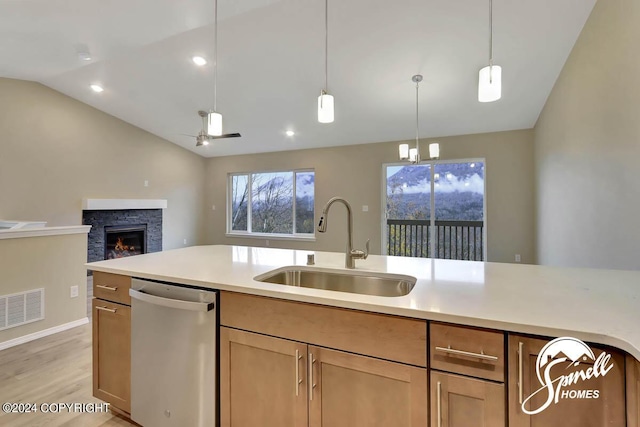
{"points": [[600, 306]]}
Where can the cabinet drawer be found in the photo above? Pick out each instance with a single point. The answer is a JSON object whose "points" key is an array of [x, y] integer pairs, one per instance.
{"points": [[382, 336], [468, 351], [112, 287]]}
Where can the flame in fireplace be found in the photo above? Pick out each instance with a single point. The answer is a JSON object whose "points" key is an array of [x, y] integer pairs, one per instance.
{"points": [[121, 247], [121, 250]]}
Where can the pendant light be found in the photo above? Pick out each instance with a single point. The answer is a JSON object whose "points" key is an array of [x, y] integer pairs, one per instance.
{"points": [[214, 122], [413, 154], [325, 101], [490, 78]]}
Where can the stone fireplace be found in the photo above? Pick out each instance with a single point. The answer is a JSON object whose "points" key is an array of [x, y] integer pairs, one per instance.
{"points": [[121, 228]]}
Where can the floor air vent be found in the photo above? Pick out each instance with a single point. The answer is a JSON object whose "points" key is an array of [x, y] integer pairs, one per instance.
{"points": [[21, 308]]}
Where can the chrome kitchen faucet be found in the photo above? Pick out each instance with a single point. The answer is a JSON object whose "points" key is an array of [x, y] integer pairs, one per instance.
{"points": [[351, 254]]}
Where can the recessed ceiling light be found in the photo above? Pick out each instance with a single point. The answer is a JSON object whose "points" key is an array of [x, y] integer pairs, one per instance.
{"points": [[97, 88], [199, 61], [290, 133]]}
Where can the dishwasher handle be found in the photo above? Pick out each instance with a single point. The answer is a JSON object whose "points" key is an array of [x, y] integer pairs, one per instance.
{"points": [[171, 303]]}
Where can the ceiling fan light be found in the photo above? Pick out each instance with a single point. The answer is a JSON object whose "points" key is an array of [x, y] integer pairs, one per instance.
{"points": [[403, 151], [325, 108], [214, 124], [490, 83], [434, 150]]}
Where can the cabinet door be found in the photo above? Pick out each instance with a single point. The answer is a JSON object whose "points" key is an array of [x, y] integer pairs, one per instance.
{"points": [[458, 401], [608, 409], [348, 390], [633, 392], [112, 353], [262, 381]]}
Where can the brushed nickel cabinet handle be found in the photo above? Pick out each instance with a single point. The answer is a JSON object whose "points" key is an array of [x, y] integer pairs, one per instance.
{"points": [[298, 379], [520, 345], [480, 355], [107, 288], [110, 310], [439, 404], [312, 384]]}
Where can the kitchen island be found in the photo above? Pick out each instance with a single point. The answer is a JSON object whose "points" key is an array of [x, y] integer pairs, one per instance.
{"points": [[500, 305]]}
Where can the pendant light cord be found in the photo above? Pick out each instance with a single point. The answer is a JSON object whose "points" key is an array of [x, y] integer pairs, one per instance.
{"points": [[326, 45], [490, 41], [417, 123], [215, 56]]}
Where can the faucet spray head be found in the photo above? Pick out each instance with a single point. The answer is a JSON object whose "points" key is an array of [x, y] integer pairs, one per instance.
{"points": [[322, 225]]}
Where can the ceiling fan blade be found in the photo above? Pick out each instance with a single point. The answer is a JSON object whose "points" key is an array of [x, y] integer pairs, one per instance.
{"points": [[227, 135]]}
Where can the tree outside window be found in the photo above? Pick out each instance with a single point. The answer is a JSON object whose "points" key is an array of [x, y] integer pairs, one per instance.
{"points": [[273, 203]]}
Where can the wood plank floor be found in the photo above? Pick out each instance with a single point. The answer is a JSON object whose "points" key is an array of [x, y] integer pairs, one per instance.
{"points": [[54, 369]]}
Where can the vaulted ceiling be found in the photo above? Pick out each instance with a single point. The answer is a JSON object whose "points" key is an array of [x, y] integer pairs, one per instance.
{"points": [[271, 64]]}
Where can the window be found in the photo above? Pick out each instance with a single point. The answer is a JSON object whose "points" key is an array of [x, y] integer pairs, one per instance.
{"points": [[272, 204], [435, 210]]}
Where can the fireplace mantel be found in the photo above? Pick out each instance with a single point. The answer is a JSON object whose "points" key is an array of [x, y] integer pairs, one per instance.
{"points": [[120, 204]]}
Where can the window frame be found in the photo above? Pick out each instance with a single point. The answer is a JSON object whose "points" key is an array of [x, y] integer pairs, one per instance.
{"points": [[432, 164], [268, 236]]}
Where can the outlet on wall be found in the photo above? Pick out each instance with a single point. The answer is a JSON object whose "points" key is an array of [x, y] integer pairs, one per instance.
{"points": [[74, 291], [518, 259], [146, 183], [365, 208], [184, 241]]}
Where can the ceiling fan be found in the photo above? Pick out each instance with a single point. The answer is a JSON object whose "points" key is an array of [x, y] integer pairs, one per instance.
{"points": [[203, 138], [212, 120]]}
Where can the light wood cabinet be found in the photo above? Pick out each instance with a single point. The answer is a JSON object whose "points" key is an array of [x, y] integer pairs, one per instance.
{"points": [[262, 380], [606, 410], [112, 287], [270, 382], [633, 392], [368, 369], [458, 401], [383, 336], [467, 351], [112, 353], [349, 390], [112, 340], [476, 397], [291, 364]]}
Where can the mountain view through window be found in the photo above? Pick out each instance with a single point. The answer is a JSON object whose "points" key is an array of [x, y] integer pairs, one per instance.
{"points": [[456, 191]]}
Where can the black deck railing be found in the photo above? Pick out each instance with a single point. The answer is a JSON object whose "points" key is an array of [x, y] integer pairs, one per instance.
{"points": [[453, 239]]}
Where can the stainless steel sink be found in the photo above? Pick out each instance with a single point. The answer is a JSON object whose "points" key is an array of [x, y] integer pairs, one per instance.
{"points": [[367, 283]]}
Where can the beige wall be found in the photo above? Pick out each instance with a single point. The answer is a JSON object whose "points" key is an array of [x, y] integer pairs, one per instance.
{"points": [[55, 151], [54, 263], [587, 148], [355, 172]]}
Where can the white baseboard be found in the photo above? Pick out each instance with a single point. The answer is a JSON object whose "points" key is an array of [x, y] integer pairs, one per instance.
{"points": [[45, 332]]}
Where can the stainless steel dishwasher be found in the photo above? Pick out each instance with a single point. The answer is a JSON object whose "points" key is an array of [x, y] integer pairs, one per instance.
{"points": [[173, 355]]}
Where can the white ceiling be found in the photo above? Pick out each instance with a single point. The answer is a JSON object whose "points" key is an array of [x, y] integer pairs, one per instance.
{"points": [[271, 55]]}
